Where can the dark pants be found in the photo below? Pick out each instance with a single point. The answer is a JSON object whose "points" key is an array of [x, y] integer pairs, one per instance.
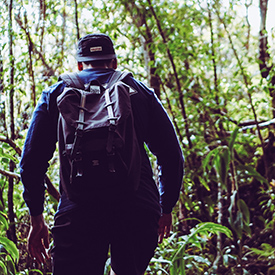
{"points": [[82, 239]]}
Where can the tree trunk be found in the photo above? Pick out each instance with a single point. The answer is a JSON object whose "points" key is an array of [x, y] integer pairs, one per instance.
{"points": [[30, 51], [146, 40], [1, 73], [11, 214], [263, 43], [264, 56], [76, 20]]}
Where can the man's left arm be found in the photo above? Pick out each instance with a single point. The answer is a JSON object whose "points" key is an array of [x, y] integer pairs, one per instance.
{"points": [[163, 143]]}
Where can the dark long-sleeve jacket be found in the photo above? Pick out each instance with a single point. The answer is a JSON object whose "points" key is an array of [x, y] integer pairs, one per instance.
{"points": [[153, 127]]}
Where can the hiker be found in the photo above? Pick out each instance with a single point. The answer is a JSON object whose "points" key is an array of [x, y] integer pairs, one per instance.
{"points": [[103, 210]]}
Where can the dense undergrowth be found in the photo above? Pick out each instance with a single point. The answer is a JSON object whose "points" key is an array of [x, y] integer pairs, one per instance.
{"points": [[214, 75]]}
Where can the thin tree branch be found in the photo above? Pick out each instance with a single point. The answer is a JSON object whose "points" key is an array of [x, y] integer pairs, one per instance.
{"points": [[221, 132], [173, 116], [76, 19], [42, 17], [12, 231], [264, 56], [247, 5], [10, 174], [1, 71], [246, 82], [146, 40], [186, 124], [12, 144], [213, 52], [50, 71], [50, 187], [260, 124], [31, 73]]}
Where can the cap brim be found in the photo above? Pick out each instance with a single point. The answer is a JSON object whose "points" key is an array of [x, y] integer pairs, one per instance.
{"points": [[95, 58]]}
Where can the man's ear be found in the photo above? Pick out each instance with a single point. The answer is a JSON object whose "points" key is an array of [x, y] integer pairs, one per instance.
{"points": [[80, 66], [114, 63]]}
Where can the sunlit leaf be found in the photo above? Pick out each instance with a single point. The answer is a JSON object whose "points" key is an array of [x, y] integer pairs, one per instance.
{"points": [[10, 247], [3, 269]]}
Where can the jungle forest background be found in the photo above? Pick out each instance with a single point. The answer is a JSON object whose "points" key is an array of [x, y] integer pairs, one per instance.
{"points": [[212, 65]]}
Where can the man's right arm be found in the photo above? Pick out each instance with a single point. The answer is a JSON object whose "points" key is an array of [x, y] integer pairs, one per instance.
{"points": [[38, 149], [38, 239]]}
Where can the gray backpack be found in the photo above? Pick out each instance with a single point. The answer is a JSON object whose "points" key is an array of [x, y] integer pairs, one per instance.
{"points": [[97, 138]]}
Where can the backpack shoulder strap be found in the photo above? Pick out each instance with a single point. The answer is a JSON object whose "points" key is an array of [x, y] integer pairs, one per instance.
{"points": [[117, 76], [72, 80]]}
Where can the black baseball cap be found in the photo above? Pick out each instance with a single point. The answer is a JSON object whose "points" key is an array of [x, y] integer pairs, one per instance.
{"points": [[96, 46]]}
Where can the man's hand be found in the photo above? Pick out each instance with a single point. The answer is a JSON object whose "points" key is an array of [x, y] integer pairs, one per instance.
{"points": [[38, 239], [165, 223]]}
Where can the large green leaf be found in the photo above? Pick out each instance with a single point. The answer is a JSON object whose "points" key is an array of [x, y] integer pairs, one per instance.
{"points": [[3, 269], [202, 228], [251, 171], [10, 247], [4, 221], [214, 228], [242, 206], [233, 138], [222, 165]]}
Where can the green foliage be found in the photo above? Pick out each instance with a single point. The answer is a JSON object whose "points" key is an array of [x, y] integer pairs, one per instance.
{"points": [[201, 57], [266, 252], [181, 254], [9, 254]]}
